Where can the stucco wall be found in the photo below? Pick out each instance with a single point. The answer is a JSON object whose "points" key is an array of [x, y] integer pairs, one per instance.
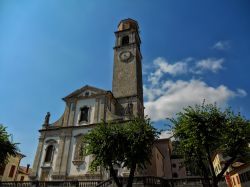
{"points": [[42, 163], [71, 168], [81, 103]]}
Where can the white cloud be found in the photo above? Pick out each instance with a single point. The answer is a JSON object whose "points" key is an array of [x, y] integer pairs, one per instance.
{"points": [[166, 98], [165, 134], [221, 45], [241, 92], [174, 69], [212, 64], [162, 67], [170, 97], [188, 65], [152, 93]]}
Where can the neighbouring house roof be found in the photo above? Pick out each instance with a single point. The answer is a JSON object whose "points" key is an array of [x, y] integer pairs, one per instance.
{"points": [[20, 155], [238, 169], [23, 170], [215, 153]]}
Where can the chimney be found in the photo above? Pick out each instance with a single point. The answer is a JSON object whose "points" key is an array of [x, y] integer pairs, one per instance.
{"points": [[27, 169]]}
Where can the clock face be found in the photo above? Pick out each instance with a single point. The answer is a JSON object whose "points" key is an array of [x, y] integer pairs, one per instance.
{"points": [[126, 56]]}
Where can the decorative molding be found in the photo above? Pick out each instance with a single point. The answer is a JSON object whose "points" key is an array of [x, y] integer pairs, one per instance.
{"points": [[78, 163], [58, 177], [51, 141], [46, 166], [85, 176], [78, 135]]}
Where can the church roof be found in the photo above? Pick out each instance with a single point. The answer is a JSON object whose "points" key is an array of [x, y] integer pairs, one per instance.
{"points": [[85, 88]]}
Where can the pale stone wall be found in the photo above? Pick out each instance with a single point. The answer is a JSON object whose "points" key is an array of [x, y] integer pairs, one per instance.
{"points": [[72, 169], [127, 85], [51, 165], [36, 163], [81, 103]]}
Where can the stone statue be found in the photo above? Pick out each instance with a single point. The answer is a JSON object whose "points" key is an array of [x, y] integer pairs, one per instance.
{"points": [[46, 120], [129, 109]]}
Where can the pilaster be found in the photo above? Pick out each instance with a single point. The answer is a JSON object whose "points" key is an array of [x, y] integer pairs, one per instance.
{"points": [[56, 171], [97, 109], [102, 115], [72, 114], [66, 115], [59, 172], [63, 168], [37, 161]]}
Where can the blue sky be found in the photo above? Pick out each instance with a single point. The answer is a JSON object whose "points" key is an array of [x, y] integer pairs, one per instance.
{"points": [[191, 50]]}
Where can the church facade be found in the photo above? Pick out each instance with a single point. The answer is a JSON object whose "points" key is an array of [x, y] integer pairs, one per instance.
{"points": [[58, 155]]}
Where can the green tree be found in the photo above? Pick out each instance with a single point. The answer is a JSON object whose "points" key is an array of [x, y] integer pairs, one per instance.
{"points": [[127, 144], [7, 147], [203, 129]]}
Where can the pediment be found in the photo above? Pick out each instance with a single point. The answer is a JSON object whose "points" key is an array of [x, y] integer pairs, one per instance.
{"points": [[85, 91]]}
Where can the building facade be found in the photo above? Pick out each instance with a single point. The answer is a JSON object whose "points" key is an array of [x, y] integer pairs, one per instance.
{"points": [[59, 151], [59, 155], [237, 174], [9, 172], [23, 173]]}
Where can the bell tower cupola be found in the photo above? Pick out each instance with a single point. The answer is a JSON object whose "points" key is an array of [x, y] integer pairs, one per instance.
{"points": [[127, 70]]}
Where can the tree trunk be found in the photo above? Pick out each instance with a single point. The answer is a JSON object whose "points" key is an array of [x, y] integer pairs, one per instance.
{"points": [[113, 174], [131, 175], [204, 173]]}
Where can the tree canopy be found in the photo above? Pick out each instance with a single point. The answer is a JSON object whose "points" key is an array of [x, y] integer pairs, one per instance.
{"points": [[7, 147], [204, 129], [123, 144]]}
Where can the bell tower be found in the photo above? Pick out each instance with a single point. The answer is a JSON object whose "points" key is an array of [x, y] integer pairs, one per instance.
{"points": [[127, 70]]}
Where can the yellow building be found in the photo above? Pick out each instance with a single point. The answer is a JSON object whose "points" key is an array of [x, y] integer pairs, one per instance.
{"points": [[10, 170], [240, 176], [238, 173], [23, 173], [218, 162]]}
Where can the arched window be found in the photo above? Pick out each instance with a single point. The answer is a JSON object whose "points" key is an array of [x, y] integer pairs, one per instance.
{"points": [[125, 40], [49, 153], [84, 114]]}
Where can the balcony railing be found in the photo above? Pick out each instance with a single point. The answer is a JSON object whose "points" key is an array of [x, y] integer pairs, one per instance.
{"points": [[138, 182], [86, 183]]}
